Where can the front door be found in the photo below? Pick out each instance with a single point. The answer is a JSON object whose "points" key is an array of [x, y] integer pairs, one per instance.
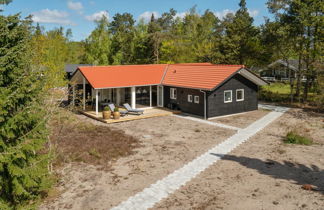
{"points": [[160, 96]]}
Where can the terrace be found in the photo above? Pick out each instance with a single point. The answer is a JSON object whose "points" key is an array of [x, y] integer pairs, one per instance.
{"points": [[148, 113]]}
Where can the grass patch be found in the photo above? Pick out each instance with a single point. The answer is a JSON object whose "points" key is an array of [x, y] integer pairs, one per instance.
{"points": [[279, 92], [294, 138], [280, 88]]}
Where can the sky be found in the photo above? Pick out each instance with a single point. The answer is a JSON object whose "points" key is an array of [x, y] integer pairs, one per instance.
{"points": [[80, 15]]}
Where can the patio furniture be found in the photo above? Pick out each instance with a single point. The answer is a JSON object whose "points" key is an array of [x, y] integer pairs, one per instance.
{"points": [[112, 108], [132, 111]]}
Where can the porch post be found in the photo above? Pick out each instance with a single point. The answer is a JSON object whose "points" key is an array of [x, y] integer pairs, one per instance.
{"points": [[96, 102], [150, 96], [73, 95], [84, 94], [133, 96], [118, 96]]}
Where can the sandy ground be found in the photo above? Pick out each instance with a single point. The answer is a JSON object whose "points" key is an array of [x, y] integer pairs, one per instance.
{"points": [[263, 173], [242, 120], [167, 144]]}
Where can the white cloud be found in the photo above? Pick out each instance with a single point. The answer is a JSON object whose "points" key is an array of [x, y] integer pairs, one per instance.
{"points": [[77, 6], [52, 16], [253, 13], [97, 16], [146, 16], [181, 15], [223, 13]]}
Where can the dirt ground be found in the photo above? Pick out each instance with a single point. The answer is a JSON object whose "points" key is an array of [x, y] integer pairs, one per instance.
{"points": [[81, 141], [263, 173], [242, 120], [167, 143]]}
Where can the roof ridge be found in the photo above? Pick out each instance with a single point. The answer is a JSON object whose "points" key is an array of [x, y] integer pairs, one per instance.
{"points": [[127, 65], [165, 72]]}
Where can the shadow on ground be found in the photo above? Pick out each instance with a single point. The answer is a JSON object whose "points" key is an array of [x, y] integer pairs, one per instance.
{"points": [[299, 173]]}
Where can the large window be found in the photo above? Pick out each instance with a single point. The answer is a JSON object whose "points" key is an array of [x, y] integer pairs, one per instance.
{"points": [[227, 96], [189, 98], [240, 95], [173, 93]]}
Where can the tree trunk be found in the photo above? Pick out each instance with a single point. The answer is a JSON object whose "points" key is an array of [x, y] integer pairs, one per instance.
{"points": [[308, 62], [306, 87], [291, 82], [298, 78]]}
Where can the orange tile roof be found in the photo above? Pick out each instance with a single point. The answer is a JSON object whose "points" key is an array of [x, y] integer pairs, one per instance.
{"points": [[123, 75], [199, 76], [192, 75]]}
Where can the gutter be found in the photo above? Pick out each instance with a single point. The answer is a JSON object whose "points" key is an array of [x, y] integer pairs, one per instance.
{"points": [[205, 104]]}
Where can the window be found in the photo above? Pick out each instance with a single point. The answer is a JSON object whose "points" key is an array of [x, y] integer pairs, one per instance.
{"points": [[197, 99], [173, 93], [240, 95], [189, 98], [227, 96]]}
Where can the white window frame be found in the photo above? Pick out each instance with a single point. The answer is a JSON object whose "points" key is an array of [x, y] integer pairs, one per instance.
{"points": [[242, 94], [228, 91], [173, 93], [190, 98], [196, 99]]}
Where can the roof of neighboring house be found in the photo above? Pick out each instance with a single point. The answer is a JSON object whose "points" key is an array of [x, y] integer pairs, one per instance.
{"points": [[205, 76], [199, 76], [293, 64], [71, 68]]}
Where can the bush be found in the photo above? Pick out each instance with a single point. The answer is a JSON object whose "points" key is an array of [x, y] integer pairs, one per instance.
{"points": [[294, 138], [106, 108], [116, 109]]}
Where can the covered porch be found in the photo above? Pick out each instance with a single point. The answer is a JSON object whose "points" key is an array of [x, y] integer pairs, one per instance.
{"points": [[93, 100]]}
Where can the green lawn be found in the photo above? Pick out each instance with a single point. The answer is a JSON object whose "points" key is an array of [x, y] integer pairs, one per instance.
{"points": [[280, 88], [280, 92]]}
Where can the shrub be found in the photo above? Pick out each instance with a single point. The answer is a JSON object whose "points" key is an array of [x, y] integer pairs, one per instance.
{"points": [[116, 109], [106, 108], [94, 153], [294, 138]]}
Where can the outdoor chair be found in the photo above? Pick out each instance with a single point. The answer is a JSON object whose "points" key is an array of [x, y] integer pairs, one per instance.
{"points": [[133, 111], [112, 108]]}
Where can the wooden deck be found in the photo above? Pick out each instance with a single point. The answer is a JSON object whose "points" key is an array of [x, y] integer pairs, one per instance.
{"points": [[148, 113]]}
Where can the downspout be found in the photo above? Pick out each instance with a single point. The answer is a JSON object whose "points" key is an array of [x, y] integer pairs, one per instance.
{"points": [[205, 105]]}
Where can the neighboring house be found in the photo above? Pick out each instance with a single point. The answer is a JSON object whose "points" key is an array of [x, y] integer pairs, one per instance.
{"points": [[280, 70], [202, 89], [71, 68]]}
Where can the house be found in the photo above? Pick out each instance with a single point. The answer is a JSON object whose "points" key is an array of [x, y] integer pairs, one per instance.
{"points": [[201, 89], [71, 68], [280, 70]]}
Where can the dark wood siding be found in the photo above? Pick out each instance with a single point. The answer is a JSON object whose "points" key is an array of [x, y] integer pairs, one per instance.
{"points": [[182, 100], [215, 99]]}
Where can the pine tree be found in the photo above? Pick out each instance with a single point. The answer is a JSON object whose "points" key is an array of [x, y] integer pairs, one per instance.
{"points": [[123, 31], [303, 20], [23, 160], [240, 43]]}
